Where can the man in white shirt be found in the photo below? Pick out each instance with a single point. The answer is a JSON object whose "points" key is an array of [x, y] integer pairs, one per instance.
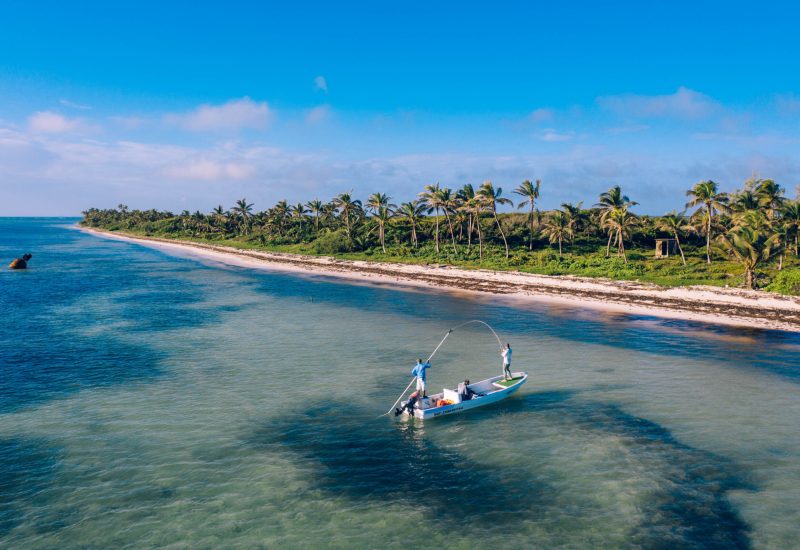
{"points": [[507, 362]]}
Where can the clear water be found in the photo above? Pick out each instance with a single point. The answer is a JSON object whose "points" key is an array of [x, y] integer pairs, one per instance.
{"points": [[149, 400]]}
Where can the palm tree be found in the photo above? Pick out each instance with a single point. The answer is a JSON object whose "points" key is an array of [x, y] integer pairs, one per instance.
{"points": [[382, 211], [531, 192], [751, 243], [611, 201], [791, 222], [743, 201], [464, 196], [619, 223], [219, 215], [492, 197], [376, 200], [770, 196], [382, 216], [675, 224], [243, 211], [449, 204], [346, 205], [476, 206], [298, 212], [413, 212], [280, 213], [577, 217], [431, 198], [558, 227], [315, 207], [706, 194]]}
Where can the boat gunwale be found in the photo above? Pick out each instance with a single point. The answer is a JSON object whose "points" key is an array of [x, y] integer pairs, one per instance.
{"points": [[433, 412]]}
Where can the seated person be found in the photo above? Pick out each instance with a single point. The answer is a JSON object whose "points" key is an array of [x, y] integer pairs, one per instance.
{"points": [[465, 391], [409, 406]]}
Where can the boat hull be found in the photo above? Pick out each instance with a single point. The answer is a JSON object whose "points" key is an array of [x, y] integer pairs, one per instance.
{"points": [[493, 396]]}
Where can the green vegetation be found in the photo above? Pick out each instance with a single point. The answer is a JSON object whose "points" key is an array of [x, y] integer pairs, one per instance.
{"points": [[747, 238], [507, 383]]}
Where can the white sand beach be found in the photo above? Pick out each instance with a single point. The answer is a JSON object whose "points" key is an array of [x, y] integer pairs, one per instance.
{"points": [[716, 305]]}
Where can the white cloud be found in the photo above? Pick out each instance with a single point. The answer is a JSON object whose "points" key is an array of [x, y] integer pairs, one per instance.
{"points": [[233, 115], [321, 84], [684, 104], [208, 170], [73, 105], [551, 135], [318, 114], [128, 122], [541, 115], [48, 122], [632, 129]]}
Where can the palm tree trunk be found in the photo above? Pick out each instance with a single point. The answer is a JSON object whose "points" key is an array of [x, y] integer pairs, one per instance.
{"points": [[559, 247], [436, 235], [497, 221], [452, 234], [413, 234], [608, 246], [469, 232], [383, 245], [796, 238], [678, 242], [708, 237], [480, 237], [530, 219], [749, 276], [622, 247]]}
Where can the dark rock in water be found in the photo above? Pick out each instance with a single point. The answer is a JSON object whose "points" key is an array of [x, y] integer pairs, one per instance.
{"points": [[20, 263]]}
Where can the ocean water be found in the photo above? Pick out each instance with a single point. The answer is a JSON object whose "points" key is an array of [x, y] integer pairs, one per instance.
{"points": [[151, 400]]}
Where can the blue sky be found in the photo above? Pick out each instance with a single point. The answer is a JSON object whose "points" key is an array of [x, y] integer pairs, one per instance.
{"points": [[188, 104]]}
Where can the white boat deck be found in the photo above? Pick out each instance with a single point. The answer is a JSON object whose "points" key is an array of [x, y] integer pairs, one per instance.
{"points": [[487, 391]]}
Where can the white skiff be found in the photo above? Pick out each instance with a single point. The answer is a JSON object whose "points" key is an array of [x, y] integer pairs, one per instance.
{"points": [[486, 391]]}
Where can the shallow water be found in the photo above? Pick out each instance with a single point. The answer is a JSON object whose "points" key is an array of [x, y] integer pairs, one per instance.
{"points": [[149, 400]]}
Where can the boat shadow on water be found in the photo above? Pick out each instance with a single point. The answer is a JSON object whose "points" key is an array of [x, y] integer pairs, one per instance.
{"points": [[360, 458]]}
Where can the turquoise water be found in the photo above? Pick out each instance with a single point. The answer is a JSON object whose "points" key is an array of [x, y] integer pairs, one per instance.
{"points": [[150, 400]]}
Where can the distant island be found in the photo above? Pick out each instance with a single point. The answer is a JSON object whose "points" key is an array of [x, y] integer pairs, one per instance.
{"points": [[748, 238]]}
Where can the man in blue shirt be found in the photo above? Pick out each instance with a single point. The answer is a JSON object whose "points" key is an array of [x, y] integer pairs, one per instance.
{"points": [[419, 372]]}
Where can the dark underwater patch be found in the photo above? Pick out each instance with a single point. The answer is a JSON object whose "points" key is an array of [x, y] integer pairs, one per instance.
{"points": [[47, 349], [26, 469], [692, 508], [364, 458]]}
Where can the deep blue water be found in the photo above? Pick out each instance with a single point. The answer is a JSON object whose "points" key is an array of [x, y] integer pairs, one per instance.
{"points": [[148, 399]]}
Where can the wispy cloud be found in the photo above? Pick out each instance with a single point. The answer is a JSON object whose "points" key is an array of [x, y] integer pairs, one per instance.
{"points": [[683, 104], [630, 129], [541, 115], [318, 114], [48, 122], [208, 170], [73, 105], [233, 115], [552, 135], [321, 84], [128, 122]]}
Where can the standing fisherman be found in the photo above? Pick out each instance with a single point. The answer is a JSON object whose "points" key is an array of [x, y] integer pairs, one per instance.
{"points": [[419, 371], [506, 353]]}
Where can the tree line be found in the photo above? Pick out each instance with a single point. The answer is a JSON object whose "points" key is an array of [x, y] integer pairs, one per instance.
{"points": [[752, 226]]}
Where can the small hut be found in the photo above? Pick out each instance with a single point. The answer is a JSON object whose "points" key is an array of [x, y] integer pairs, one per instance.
{"points": [[666, 248]]}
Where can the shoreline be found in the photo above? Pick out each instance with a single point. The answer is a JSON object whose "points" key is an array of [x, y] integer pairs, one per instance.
{"points": [[707, 304]]}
